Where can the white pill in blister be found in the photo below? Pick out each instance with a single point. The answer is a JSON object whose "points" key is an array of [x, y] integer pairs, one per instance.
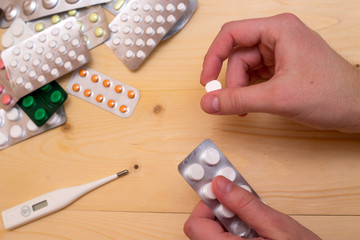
{"points": [[171, 19], [19, 81], [116, 41], [139, 42], [148, 19], [128, 42], [53, 120], [126, 30], [68, 25], [210, 156], [32, 74], [23, 69], [140, 54], [213, 85], [129, 54], [195, 172], [147, 7], [16, 131], [29, 44], [66, 37], [181, 7], [150, 42], [124, 17], [68, 65], [247, 188], [28, 86], [55, 31], [14, 63], [208, 192], [30, 125], [16, 51], [224, 212], [49, 55], [81, 58], [72, 54], [40, 50], [45, 67], [134, 6], [58, 61], [228, 172], [36, 62], [13, 114], [136, 18], [170, 7], [54, 72], [159, 7], [3, 139], [42, 38], [41, 79], [150, 31], [62, 49], [138, 31], [53, 44], [114, 28], [160, 19], [160, 30], [75, 42]]}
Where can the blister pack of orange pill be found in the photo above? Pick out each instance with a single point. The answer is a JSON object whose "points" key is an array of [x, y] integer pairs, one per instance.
{"points": [[199, 168], [103, 91], [43, 58]]}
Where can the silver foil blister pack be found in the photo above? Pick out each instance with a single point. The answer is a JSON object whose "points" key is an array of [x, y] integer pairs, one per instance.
{"points": [[16, 126], [140, 26], [92, 22], [16, 33], [43, 58], [103, 91], [33, 9], [199, 168]]}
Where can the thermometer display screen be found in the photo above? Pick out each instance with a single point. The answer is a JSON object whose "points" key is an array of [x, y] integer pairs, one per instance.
{"points": [[39, 205]]}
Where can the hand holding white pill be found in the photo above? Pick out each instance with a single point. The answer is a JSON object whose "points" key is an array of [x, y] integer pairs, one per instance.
{"points": [[267, 222], [316, 88]]}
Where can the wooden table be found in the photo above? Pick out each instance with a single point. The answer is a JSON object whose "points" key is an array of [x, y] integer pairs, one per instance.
{"points": [[309, 174]]}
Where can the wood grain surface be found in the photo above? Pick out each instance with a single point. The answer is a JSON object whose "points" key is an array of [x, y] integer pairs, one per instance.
{"points": [[309, 174]]}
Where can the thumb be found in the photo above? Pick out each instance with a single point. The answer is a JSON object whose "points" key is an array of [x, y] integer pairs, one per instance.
{"points": [[266, 221], [254, 98]]}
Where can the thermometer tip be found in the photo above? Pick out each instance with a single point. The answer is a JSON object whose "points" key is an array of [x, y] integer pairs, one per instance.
{"points": [[123, 172]]}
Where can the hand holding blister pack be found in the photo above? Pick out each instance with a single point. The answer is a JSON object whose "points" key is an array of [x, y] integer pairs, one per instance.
{"points": [[199, 168]]}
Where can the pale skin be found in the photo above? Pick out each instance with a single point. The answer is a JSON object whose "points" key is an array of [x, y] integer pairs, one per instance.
{"points": [[306, 81]]}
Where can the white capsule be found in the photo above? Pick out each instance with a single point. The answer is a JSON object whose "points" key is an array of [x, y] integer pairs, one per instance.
{"points": [[195, 172]]}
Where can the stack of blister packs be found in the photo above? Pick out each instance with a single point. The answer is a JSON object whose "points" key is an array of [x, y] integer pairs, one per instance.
{"points": [[48, 39]]}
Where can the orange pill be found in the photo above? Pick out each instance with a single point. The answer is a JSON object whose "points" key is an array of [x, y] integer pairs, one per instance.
{"points": [[111, 103], [131, 94], [118, 89], [76, 87], [99, 98], [87, 92], [106, 83], [123, 108], [95, 78], [83, 72]]}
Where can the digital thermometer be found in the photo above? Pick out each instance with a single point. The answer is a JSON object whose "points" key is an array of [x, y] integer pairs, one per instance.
{"points": [[50, 202]]}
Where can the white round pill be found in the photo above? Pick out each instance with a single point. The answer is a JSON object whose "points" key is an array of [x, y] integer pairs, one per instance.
{"points": [[224, 212], [45, 67], [139, 42], [114, 28], [29, 44], [36, 62], [69, 25], [124, 17], [210, 156], [228, 172], [136, 18], [28, 86], [19, 81], [147, 7], [81, 58], [159, 7], [160, 19], [53, 120], [181, 7], [66, 37], [208, 192], [128, 42], [53, 44], [116, 41], [134, 6], [16, 131], [129, 54], [75, 42], [7, 41], [55, 31], [32, 74], [13, 114], [23, 69], [41, 79], [40, 50], [195, 172], [148, 19], [14, 63], [246, 187], [62, 49], [138, 30], [16, 51], [54, 72], [150, 42], [213, 85], [170, 7], [26, 57], [150, 31], [126, 30], [58, 61], [160, 30], [171, 18], [72, 54], [68, 65], [42, 38], [140, 54], [49, 55], [3, 139], [30, 125]]}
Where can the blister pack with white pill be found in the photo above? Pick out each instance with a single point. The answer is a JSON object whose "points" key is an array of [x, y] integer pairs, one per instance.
{"points": [[16, 33], [103, 91], [43, 58], [91, 20], [34, 9], [199, 168], [140, 26], [16, 126]]}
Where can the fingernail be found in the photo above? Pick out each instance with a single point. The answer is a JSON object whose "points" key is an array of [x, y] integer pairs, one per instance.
{"points": [[210, 103], [224, 185]]}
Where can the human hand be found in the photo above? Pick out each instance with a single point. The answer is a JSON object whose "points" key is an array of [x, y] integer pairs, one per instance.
{"points": [[307, 80], [267, 222]]}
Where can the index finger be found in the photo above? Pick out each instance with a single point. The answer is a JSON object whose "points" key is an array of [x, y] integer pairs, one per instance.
{"points": [[243, 33]]}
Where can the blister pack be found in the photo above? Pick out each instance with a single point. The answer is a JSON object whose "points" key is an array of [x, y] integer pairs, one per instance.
{"points": [[42, 58], [92, 22], [103, 91], [140, 26], [41, 104], [115, 6], [16, 126], [17, 32], [199, 168], [34, 9]]}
